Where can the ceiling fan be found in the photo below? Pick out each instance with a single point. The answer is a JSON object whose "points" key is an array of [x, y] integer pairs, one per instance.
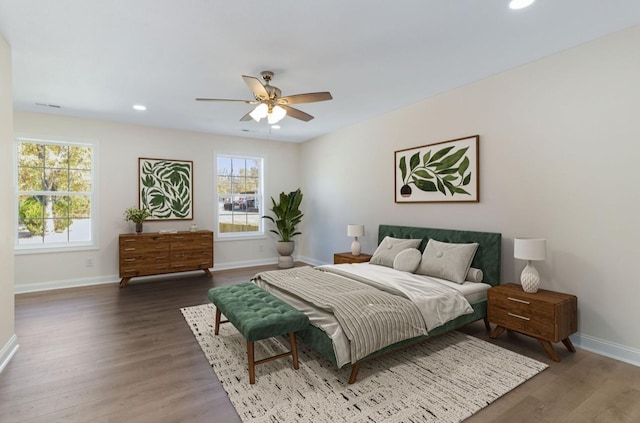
{"points": [[268, 102]]}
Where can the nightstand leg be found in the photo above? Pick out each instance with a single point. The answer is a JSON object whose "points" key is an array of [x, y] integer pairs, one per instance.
{"points": [[497, 331], [567, 343], [549, 349], [487, 325]]}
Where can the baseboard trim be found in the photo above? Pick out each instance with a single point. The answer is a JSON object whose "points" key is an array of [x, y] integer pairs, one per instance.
{"points": [[60, 284], [8, 351], [607, 348], [72, 283]]}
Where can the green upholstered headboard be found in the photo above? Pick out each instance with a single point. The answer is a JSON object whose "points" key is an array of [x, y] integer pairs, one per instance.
{"points": [[487, 256]]}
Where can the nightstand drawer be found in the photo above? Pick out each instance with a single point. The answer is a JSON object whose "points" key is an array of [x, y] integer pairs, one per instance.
{"points": [[531, 309], [528, 323]]}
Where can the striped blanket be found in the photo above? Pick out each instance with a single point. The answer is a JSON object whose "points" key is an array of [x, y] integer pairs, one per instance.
{"points": [[371, 319]]}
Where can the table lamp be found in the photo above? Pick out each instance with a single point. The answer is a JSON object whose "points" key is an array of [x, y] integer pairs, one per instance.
{"points": [[530, 249], [355, 231]]}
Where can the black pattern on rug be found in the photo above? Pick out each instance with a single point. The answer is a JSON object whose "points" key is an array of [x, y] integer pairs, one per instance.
{"points": [[444, 379]]}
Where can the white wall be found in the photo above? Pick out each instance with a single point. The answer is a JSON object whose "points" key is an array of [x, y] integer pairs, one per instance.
{"points": [[120, 146], [8, 340], [559, 150]]}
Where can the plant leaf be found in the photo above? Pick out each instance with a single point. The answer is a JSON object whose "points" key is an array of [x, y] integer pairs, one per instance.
{"points": [[414, 161], [466, 179], [403, 167], [423, 174], [441, 187], [440, 154], [425, 158], [423, 185], [452, 159], [463, 166]]}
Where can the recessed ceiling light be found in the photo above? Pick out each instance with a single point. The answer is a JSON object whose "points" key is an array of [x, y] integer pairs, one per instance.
{"points": [[140, 107], [275, 126], [520, 4]]}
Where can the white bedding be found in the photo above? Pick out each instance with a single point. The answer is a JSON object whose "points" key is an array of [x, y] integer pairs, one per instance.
{"points": [[435, 311]]}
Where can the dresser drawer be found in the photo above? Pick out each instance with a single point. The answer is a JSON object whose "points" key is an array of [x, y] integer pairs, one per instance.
{"points": [[529, 324]]}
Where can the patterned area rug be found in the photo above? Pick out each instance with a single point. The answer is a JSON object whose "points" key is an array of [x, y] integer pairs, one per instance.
{"points": [[445, 379]]}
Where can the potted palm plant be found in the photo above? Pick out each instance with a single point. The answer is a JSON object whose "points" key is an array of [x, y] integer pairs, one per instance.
{"points": [[137, 216], [287, 216]]}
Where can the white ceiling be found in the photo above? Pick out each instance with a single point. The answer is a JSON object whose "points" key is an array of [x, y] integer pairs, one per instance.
{"points": [[96, 58]]}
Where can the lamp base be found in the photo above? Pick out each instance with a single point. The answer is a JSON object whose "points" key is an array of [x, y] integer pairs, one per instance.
{"points": [[530, 279], [355, 247]]}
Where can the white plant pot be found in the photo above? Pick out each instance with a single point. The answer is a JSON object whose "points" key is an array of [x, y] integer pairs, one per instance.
{"points": [[285, 248]]}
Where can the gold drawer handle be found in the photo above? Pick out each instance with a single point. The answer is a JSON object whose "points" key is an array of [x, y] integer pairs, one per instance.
{"points": [[130, 271], [518, 300], [129, 259], [519, 317], [129, 249], [129, 240]]}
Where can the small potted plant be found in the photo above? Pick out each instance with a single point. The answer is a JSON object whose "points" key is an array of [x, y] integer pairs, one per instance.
{"points": [[136, 215], [287, 217]]}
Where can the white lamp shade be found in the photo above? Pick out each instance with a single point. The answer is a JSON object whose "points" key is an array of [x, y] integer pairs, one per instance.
{"points": [[355, 230], [276, 115], [530, 248], [259, 112]]}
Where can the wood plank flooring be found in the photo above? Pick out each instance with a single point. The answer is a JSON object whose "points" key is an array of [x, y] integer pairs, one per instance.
{"points": [[104, 354]]}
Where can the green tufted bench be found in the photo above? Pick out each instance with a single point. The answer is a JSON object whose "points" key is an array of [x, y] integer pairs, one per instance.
{"points": [[257, 315]]}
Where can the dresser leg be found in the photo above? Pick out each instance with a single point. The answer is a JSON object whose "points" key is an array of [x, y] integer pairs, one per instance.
{"points": [[487, 325], [549, 349], [567, 343], [124, 282], [497, 331]]}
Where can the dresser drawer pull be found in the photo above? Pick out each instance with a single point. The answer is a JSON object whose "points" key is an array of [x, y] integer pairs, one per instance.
{"points": [[518, 300], [130, 259], [130, 249], [129, 240], [178, 237], [518, 316]]}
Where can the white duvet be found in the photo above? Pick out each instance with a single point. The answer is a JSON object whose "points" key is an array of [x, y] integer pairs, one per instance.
{"points": [[438, 303]]}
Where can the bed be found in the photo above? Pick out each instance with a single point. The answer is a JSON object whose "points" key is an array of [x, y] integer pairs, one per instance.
{"points": [[321, 335]]}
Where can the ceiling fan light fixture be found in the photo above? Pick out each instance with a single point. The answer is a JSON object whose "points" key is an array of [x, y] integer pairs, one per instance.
{"points": [[259, 112], [276, 115], [520, 4]]}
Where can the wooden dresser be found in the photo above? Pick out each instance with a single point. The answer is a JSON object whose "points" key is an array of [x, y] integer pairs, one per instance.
{"points": [[548, 316], [156, 253]]}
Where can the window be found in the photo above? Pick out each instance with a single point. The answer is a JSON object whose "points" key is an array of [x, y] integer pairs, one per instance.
{"points": [[55, 185], [239, 182]]}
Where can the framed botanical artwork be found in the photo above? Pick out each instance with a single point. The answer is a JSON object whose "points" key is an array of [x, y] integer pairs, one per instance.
{"points": [[442, 172], [166, 188]]}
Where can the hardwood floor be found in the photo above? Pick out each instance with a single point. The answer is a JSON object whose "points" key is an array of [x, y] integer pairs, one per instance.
{"points": [[104, 354]]}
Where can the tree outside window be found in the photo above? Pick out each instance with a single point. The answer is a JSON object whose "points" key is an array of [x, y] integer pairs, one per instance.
{"points": [[55, 186]]}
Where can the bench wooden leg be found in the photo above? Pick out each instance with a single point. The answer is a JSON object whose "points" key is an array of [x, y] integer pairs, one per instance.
{"points": [[252, 364], [218, 313], [294, 349]]}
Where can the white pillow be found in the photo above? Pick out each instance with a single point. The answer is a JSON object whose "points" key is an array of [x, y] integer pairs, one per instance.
{"points": [[447, 261], [389, 249], [474, 275], [407, 260]]}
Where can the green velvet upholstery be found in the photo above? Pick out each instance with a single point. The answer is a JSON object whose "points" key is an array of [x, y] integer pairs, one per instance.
{"points": [[256, 313], [487, 258]]}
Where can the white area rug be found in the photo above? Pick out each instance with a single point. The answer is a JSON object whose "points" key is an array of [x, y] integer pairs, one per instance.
{"points": [[445, 379]]}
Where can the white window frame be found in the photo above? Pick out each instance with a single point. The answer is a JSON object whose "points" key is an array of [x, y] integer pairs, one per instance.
{"points": [[91, 244], [230, 236]]}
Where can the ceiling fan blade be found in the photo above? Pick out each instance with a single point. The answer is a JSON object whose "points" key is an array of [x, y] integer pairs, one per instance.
{"points": [[305, 98], [246, 117], [226, 99], [256, 87], [298, 114]]}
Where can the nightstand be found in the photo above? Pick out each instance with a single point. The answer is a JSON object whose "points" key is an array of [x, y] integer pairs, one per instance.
{"points": [[339, 258], [546, 315]]}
